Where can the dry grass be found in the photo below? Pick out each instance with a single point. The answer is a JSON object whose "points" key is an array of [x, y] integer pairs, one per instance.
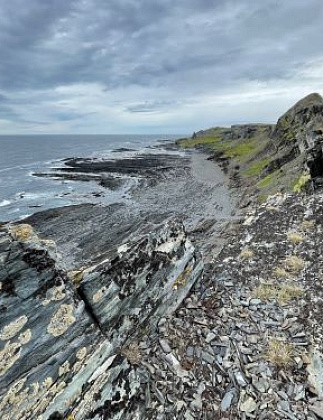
{"points": [[280, 353], [132, 353], [182, 278], [265, 292], [283, 293], [246, 254], [288, 292], [294, 264], [307, 225], [281, 273], [22, 232], [295, 238]]}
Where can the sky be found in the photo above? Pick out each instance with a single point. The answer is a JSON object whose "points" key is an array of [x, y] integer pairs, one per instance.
{"points": [[154, 66]]}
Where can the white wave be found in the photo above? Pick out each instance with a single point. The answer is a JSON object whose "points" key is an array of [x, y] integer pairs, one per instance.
{"points": [[4, 203]]}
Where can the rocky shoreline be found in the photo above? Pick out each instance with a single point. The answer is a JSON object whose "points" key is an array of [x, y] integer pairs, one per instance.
{"points": [[164, 187], [178, 309], [79, 307]]}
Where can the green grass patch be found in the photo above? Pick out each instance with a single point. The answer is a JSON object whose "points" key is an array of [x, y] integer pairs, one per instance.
{"points": [[301, 183], [262, 198], [241, 150], [198, 141], [268, 180], [256, 168]]}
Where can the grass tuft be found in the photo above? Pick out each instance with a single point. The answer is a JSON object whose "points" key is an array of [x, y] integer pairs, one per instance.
{"points": [[265, 292], [301, 183], [247, 254], [132, 353], [282, 293], [288, 292], [267, 181], [295, 238], [280, 353], [281, 273], [307, 225], [294, 264]]}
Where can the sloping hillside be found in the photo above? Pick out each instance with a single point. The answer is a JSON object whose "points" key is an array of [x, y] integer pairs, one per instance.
{"points": [[270, 158]]}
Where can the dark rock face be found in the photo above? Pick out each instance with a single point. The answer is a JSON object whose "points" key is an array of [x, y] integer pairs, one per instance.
{"points": [[299, 123], [68, 341], [299, 130]]}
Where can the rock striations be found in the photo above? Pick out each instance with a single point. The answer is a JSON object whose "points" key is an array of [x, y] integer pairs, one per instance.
{"points": [[69, 342]]}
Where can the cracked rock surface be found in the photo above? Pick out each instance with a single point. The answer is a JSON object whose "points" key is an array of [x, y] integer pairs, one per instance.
{"points": [[71, 343]]}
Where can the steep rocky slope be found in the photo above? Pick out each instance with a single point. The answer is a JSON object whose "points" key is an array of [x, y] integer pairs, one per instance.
{"points": [[270, 158]]}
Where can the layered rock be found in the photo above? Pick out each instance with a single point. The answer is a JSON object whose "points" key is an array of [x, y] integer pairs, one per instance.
{"points": [[70, 342], [300, 130]]}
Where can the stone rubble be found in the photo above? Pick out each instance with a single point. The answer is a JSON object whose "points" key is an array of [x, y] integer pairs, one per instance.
{"points": [[223, 333]]}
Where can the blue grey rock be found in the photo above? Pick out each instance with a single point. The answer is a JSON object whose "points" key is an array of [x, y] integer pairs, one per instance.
{"points": [[73, 348]]}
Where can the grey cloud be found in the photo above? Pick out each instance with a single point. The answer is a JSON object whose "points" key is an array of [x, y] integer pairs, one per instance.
{"points": [[180, 49], [152, 106]]}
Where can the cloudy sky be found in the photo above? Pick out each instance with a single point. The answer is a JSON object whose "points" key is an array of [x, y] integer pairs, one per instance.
{"points": [[154, 66]]}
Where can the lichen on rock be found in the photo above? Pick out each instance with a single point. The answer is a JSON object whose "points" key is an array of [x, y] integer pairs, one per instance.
{"points": [[61, 320], [8, 356], [12, 329]]}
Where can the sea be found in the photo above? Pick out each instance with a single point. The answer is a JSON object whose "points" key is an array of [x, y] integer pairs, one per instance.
{"points": [[22, 193]]}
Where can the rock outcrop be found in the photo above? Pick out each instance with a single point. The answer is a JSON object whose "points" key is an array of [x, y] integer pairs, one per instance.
{"points": [[300, 131], [70, 343]]}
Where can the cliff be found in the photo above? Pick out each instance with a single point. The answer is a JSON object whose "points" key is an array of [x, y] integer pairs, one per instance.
{"points": [[270, 158]]}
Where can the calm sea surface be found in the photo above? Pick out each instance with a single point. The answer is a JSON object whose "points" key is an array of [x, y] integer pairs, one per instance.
{"points": [[22, 194]]}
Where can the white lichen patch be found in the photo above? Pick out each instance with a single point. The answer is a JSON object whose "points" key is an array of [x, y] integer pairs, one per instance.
{"points": [[98, 296], [80, 355], [35, 388], [171, 245], [65, 368], [55, 294], [12, 329], [61, 321], [8, 356], [49, 244], [76, 276], [77, 366], [123, 248], [48, 382], [25, 337]]}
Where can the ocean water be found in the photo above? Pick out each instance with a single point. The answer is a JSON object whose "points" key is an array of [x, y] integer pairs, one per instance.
{"points": [[22, 194]]}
